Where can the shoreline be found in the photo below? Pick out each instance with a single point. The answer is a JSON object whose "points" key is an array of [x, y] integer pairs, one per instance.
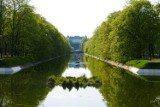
{"points": [[137, 71], [15, 69]]}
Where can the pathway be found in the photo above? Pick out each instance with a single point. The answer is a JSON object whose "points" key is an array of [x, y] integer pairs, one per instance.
{"points": [[137, 71], [13, 70]]}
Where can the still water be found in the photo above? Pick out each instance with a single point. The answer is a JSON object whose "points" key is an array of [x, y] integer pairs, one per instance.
{"points": [[119, 88], [83, 97], [88, 97]]}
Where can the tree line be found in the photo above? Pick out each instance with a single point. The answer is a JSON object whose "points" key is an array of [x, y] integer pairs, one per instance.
{"points": [[25, 33], [131, 33]]}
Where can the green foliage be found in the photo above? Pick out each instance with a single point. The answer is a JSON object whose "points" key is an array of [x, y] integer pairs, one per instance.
{"points": [[84, 40], [70, 82], [28, 88], [137, 63], [11, 62], [128, 34], [29, 34], [122, 89], [148, 64]]}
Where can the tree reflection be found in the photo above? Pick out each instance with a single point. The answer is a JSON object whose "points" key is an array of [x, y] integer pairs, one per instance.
{"points": [[28, 88], [122, 89]]}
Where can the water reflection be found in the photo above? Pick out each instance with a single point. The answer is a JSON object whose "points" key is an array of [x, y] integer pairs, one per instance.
{"points": [[81, 98], [77, 67], [123, 89], [76, 61], [119, 87], [72, 72], [74, 96], [28, 88]]}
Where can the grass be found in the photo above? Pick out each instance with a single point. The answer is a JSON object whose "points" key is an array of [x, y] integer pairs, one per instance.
{"points": [[15, 61], [144, 64]]}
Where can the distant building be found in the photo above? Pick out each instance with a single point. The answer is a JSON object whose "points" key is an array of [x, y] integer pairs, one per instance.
{"points": [[75, 41]]}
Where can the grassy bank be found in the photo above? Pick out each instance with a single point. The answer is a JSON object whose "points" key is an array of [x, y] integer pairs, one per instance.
{"points": [[144, 64], [15, 61]]}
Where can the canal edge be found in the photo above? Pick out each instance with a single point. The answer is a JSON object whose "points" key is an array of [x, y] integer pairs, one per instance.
{"points": [[137, 71], [15, 69]]}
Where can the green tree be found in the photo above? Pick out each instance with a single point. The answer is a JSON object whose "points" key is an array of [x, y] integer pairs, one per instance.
{"points": [[1, 25], [128, 34], [26, 33], [84, 40]]}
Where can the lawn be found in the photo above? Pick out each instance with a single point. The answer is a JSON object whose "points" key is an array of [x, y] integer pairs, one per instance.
{"points": [[15, 61], [145, 64]]}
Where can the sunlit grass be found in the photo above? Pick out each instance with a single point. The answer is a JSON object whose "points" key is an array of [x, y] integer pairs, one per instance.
{"points": [[15, 61], [145, 64]]}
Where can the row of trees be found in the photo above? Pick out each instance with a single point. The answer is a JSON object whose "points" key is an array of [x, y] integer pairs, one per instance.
{"points": [[84, 40], [131, 33], [25, 33]]}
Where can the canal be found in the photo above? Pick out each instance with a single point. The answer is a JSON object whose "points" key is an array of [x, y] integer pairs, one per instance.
{"points": [[120, 88]]}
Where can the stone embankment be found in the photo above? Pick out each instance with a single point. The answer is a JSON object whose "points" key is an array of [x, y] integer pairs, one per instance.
{"points": [[13, 70], [137, 71]]}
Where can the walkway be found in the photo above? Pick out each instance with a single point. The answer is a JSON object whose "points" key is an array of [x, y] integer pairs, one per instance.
{"points": [[137, 71], [13, 70]]}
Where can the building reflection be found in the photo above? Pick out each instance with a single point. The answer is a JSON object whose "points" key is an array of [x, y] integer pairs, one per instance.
{"points": [[76, 61]]}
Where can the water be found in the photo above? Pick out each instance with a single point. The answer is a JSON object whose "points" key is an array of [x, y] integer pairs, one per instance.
{"points": [[119, 88], [88, 97], [77, 67], [83, 97]]}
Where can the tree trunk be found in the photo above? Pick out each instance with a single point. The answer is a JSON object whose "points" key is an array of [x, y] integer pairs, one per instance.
{"points": [[1, 26], [13, 31]]}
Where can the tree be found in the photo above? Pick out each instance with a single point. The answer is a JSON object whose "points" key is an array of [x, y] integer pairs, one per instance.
{"points": [[26, 33], [84, 40], [128, 34], [1, 25]]}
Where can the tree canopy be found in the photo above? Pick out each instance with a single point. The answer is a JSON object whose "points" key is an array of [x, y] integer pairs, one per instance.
{"points": [[128, 34], [25, 33]]}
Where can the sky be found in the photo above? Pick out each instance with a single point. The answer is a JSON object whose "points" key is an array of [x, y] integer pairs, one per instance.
{"points": [[77, 17]]}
